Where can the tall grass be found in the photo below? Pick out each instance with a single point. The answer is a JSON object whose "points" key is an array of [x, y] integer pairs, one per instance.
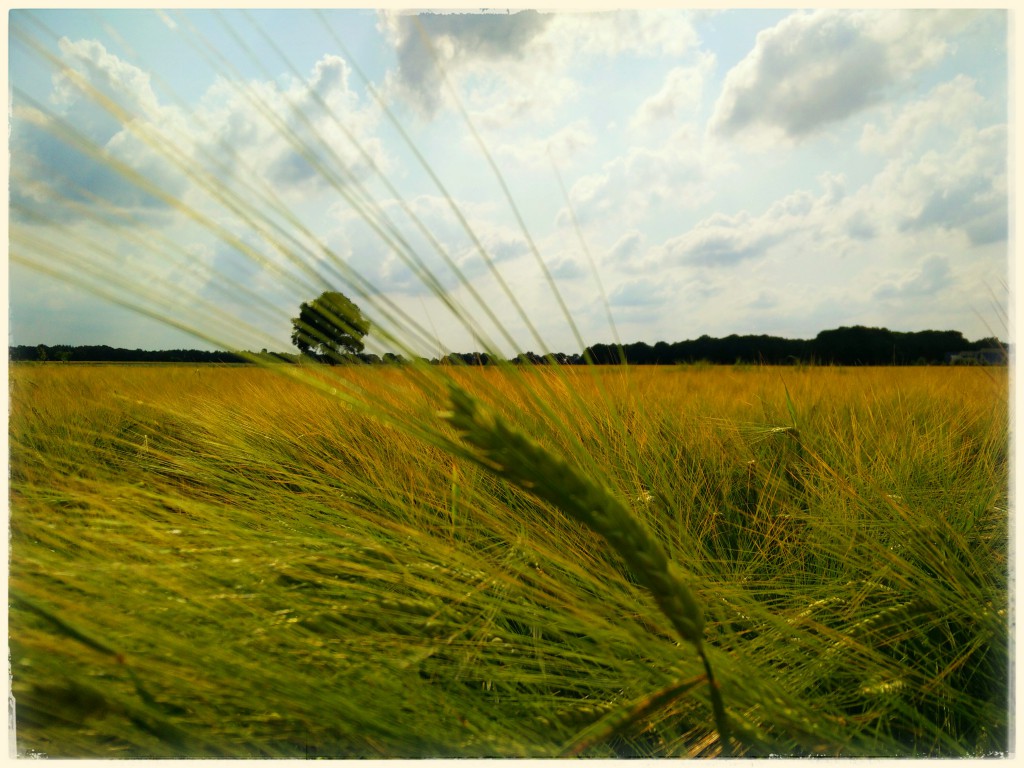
{"points": [[265, 585], [300, 561]]}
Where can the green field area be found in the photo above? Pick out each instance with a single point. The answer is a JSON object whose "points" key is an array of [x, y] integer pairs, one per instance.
{"points": [[306, 561]]}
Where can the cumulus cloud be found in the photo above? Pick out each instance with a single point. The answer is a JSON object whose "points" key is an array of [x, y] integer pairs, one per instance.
{"points": [[650, 32], [724, 240], [522, 56], [681, 92], [948, 107], [366, 253], [815, 69], [92, 67], [931, 276], [98, 165], [626, 247], [963, 188], [641, 292], [561, 145], [238, 139], [456, 41], [567, 267], [297, 135], [674, 175], [727, 240], [237, 136], [860, 226]]}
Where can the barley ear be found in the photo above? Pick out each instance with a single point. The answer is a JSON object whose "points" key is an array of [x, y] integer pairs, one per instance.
{"points": [[511, 455], [528, 465]]}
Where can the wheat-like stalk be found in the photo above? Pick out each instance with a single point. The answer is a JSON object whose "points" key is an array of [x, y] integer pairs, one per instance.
{"points": [[525, 463]]}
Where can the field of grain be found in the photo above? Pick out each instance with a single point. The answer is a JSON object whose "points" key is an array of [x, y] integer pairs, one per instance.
{"points": [[301, 561]]}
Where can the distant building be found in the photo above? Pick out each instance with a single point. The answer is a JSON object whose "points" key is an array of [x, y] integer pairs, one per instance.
{"points": [[979, 357]]}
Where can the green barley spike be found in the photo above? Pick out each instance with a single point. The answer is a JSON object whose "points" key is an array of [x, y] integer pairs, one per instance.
{"points": [[518, 459], [521, 461]]}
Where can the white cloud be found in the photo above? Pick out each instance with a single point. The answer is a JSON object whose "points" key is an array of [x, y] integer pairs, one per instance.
{"points": [[567, 267], [237, 138], [90, 65], [948, 107], [91, 96], [651, 32], [296, 136], [457, 42], [376, 261], [680, 94], [625, 248], [512, 67], [227, 142], [723, 240], [793, 225], [816, 69], [931, 277], [675, 175], [641, 292], [561, 145], [963, 188]]}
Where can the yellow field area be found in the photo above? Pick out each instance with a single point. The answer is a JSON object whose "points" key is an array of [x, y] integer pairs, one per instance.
{"points": [[313, 561]]}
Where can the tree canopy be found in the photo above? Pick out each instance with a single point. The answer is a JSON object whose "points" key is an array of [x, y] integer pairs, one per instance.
{"points": [[330, 327]]}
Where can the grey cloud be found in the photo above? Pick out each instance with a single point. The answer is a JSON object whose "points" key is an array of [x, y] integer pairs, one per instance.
{"points": [[764, 300], [566, 268], [301, 135], [625, 246], [632, 185], [231, 267], [972, 205], [815, 69], [681, 90], [488, 35], [384, 270], [719, 250], [725, 241], [721, 246], [860, 227], [290, 168], [465, 37], [47, 170], [500, 245], [931, 277], [372, 258], [505, 248], [992, 227], [642, 292]]}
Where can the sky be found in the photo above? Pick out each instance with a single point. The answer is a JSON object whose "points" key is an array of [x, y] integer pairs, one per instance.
{"points": [[565, 178]]}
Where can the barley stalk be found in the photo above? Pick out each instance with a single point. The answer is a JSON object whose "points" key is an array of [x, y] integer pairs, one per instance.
{"points": [[513, 456]]}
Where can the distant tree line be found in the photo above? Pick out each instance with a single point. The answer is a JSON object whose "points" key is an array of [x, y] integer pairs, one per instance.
{"points": [[105, 354], [856, 345]]}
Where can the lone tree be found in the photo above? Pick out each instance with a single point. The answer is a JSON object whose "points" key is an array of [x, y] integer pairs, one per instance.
{"points": [[329, 327]]}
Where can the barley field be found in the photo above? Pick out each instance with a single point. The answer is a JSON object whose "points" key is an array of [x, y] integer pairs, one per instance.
{"points": [[406, 560], [303, 561]]}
